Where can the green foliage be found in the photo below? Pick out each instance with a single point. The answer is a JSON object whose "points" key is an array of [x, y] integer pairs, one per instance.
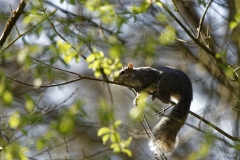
{"points": [[204, 147], [141, 8], [66, 50], [104, 10], [15, 120], [117, 144], [5, 92], [233, 24], [68, 118], [99, 63], [168, 36], [136, 112], [23, 55], [15, 151], [105, 113], [47, 140]]}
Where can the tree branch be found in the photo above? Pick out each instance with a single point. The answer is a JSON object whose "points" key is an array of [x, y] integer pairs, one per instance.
{"points": [[12, 21], [202, 19]]}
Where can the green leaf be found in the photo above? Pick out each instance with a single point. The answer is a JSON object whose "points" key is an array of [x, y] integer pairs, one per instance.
{"points": [[90, 58], [105, 138], [128, 141], [97, 74], [159, 4], [168, 36], [66, 125], [103, 131], [29, 103], [229, 72], [233, 24], [116, 147], [117, 123], [7, 97], [115, 137], [40, 144], [14, 120], [127, 151], [2, 87]]}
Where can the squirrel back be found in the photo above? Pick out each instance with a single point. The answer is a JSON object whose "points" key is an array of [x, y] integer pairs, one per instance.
{"points": [[170, 85]]}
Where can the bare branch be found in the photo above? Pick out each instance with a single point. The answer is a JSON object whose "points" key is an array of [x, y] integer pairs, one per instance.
{"points": [[12, 21], [202, 19]]}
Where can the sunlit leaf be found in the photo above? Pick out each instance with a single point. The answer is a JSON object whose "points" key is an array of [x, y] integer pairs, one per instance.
{"points": [[29, 104], [66, 125], [116, 147], [105, 138], [40, 144], [103, 131], [115, 137], [90, 58], [7, 97], [117, 123], [233, 24], [127, 151], [14, 120], [128, 141]]}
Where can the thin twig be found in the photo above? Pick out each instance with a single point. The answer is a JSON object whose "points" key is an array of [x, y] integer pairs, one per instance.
{"points": [[13, 15], [54, 67], [66, 155], [202, 19]]}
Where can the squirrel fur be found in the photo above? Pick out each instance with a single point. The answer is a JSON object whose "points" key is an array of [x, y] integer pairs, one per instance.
{"points": [[166, 83]]}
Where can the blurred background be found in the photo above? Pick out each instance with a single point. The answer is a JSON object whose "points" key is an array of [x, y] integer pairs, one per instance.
{"points": [[49, 113]]}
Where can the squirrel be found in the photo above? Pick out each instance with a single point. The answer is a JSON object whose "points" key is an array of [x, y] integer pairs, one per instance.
{"points": [[166, 84]]}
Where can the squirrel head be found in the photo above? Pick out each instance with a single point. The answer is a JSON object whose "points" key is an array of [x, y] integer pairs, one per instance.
{"points": [[125, 74]]}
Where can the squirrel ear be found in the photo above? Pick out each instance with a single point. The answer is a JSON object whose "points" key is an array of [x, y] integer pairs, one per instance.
{"points": [[130, 65]]}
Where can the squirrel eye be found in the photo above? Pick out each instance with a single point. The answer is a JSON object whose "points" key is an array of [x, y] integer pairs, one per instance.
{"points": [[123, 72]]}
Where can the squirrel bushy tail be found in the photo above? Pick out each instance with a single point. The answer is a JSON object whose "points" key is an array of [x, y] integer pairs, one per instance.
{"points": [[166, 130]]}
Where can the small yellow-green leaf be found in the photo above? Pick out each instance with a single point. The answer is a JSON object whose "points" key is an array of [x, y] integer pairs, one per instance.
{"points": [[128, 141], [115, 137], [116, 148], [14, 120], [29, 104], [97, 73], [103, 131], [127, 151], [105, 138], [40, 144], [7, 97], [117, 123], [2, 87], [218, 55], [67, 58], [159, 4], [233, 24], [66, 125]]}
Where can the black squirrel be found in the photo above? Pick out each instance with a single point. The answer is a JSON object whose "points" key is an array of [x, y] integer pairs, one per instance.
{"points": [[167, 84]]}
